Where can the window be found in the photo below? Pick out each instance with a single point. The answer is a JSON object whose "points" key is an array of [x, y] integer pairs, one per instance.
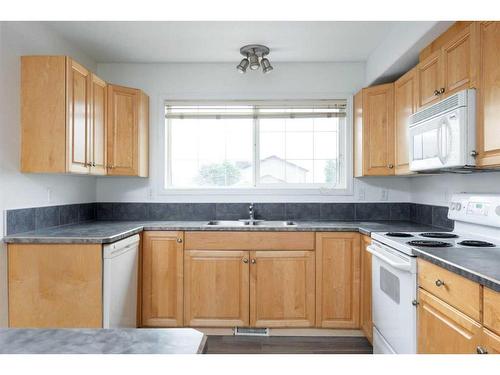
{"points": [[255, 145]]}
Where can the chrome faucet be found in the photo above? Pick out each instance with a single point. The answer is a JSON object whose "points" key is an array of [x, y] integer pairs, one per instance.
{"points": [[251, 212]]}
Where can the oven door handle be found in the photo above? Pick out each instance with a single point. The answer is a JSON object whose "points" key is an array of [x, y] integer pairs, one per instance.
{"points": [[400, 266]]}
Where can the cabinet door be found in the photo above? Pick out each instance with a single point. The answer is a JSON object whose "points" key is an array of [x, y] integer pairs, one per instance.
{"points": [[459, 67], [282, 289], [123, 116], [405, 104], [490, 343], [162, 275], [216, 288], [430, 78], [488, 96], [78, 123], [358, 134], [378, 130], [98, 126], [338, 280], [444, 330], [366, 289]]}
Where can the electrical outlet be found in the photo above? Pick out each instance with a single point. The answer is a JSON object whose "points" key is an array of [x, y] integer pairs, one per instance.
{"points": [[385, 195], [150, 194], [49, 195]]}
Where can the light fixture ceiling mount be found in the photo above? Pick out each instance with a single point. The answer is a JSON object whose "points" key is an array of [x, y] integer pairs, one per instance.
{"points": [[252, 53]]}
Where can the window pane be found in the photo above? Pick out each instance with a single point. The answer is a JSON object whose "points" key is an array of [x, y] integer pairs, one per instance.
{"points": [[304, 150], [211, 153], [213, 145]]}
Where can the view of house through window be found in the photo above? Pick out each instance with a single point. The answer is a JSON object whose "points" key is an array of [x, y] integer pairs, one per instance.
{"points": [[255, 145]]}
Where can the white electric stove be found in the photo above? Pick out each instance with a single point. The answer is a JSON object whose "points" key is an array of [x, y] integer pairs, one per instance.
{"points": [[394, 266]]}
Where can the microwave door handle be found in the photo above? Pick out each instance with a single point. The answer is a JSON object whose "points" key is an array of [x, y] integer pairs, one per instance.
{"points": [[441, 156], [449, 135], [400, 266]]}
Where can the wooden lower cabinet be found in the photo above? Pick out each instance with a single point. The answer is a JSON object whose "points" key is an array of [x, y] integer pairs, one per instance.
{"points": [[338, 280], [55, 285], [162, 279], [216, 288], [282, 291], [366, 289], [490, 343], [443, 329]]}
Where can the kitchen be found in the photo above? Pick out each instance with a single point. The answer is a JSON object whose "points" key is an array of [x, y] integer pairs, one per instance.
{"points": [[245, 191]]}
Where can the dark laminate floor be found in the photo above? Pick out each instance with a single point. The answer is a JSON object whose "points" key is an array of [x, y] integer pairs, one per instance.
{"points": [[287, 345]]}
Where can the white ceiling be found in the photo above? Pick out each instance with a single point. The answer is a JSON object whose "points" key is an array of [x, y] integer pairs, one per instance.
{"points": [[151, 42]]}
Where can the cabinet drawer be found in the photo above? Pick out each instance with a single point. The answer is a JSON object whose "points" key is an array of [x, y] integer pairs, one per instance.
{"points": [[456, 290], [249, 241], [492, 310], [443, 329]]}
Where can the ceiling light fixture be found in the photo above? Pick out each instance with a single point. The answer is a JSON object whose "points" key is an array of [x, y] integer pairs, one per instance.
{"points": [[252, 53]]}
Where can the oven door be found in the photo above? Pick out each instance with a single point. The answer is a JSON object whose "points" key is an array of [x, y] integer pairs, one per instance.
{"points": [[438, 142], [394, 288]]}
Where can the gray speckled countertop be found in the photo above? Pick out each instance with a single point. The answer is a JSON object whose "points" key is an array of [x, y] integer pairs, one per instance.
{"points": [[481, 264], [102, 341], [111, 231]]}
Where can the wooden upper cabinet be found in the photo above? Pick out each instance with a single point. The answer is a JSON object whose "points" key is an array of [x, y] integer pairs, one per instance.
{"points": [[65, 117], [488, 96], [443, 329], [282, 292], [78, 126], [216, 288], [374, 133], [43, 114], [459, 61], [98, 115], [338, 280], [405, 104], [366, 289], [429, 79], [162, 279], [451, 67], [127, 131]]}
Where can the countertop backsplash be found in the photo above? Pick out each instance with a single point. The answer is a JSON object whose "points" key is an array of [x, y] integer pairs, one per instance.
{"points": [[29, 219]]}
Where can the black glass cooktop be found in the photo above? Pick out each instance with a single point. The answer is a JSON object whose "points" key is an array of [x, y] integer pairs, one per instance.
{"points": [[429, 243], [475, 243], [438, 235], [398, 234]]}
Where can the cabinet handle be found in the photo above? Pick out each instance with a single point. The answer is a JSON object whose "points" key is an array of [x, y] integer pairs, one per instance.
{"points": [[245, 260], [441, 91], [481, 350], [179, 240], [439, 283], [253, 261], [390, 166], [436, 92]]}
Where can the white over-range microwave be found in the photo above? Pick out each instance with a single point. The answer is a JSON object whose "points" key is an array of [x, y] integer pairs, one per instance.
{"points": [[443, 135]]}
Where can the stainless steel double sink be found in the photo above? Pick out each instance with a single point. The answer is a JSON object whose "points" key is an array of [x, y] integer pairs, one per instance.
{"points": [[249, 223]]}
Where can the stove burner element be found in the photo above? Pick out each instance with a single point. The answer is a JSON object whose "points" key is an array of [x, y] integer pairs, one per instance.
{"points": [[429, 243], [398, 234], [438, 235], [475, 243]]}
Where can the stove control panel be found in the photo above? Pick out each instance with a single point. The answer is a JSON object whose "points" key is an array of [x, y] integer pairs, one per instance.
{"points": [[476, 208]]}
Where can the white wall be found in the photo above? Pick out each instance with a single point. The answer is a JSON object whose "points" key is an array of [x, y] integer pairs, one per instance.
{"points": [[213, 81], [437, 189], [29, 190], [399, 51]]}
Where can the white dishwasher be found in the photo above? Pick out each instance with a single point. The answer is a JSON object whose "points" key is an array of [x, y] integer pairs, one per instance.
{"points": [[120, 273]]}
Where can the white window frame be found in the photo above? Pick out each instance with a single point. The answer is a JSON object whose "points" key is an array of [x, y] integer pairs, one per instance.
{"points": [[258, 190]]}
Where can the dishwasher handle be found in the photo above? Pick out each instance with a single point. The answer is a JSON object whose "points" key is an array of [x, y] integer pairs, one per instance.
{"points": [[403, 266]]}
